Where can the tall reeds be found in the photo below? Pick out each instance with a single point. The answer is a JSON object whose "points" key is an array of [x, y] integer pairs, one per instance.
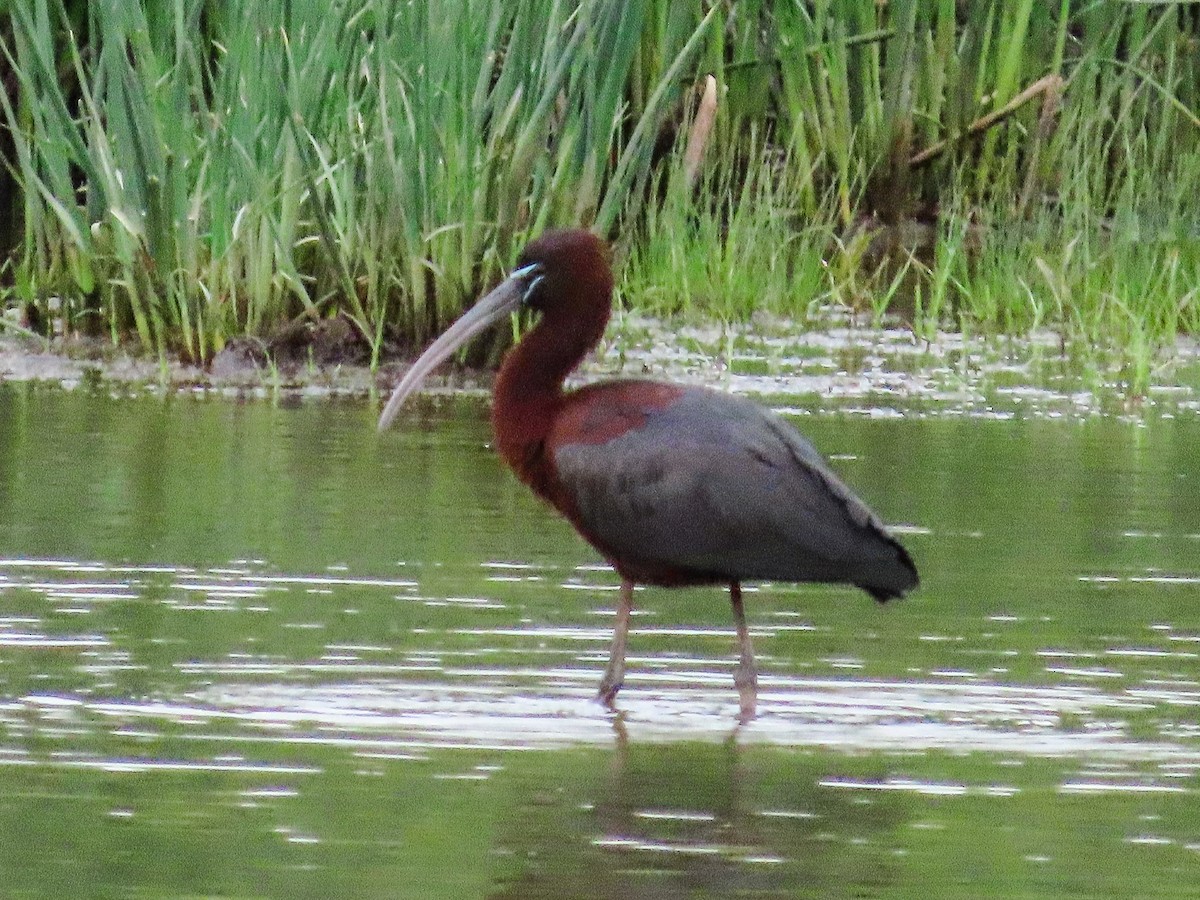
{"points": [[192, 170], [999, 165]]}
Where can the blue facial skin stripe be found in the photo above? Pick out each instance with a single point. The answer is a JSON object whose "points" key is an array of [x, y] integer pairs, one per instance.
{"points": [[524, 272]]}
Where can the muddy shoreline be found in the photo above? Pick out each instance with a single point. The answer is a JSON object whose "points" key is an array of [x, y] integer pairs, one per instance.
{"points": [[844, 365], [26, 360]]}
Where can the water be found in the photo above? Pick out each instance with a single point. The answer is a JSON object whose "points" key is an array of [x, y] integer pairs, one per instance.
{"points": [[252, 649]]}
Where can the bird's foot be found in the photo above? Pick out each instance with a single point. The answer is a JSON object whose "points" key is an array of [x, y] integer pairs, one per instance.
{"points": [[746, 710], [609, 686], [746, 682]]}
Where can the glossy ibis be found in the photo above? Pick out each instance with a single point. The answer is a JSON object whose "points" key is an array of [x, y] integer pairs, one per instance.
{"points": [[673, 485]]}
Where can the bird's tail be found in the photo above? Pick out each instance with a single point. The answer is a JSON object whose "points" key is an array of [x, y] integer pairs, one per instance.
{"points": [[901, 578]]}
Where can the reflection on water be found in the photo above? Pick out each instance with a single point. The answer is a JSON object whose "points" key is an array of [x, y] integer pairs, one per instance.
{"points": [[253, 650]]}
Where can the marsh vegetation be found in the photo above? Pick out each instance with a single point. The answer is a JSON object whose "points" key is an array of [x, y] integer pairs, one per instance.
{"points": [[188, 172]]}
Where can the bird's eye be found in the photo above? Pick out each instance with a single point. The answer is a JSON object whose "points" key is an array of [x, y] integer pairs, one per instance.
{"points": [[537, 279], [532, 275]]}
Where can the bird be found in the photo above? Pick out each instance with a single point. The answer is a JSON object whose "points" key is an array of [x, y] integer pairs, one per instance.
{"points": [[674, 485]]}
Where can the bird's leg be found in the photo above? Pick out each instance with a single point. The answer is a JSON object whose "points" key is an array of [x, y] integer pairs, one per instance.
{"points": [[746, 676], [614, 672]]}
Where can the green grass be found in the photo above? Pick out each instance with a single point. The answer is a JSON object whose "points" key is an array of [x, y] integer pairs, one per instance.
{"points": [[1004, 168], [380, 158], [194, 170]]}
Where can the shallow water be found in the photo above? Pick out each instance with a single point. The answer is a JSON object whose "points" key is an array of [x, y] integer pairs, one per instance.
{"points": [[253, 649]]}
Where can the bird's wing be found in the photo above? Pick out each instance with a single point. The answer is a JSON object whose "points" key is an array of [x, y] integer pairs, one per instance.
{"points": [[716, 485]]}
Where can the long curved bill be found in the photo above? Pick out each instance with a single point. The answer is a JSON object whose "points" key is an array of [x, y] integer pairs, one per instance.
{"points": [[502, 300]]}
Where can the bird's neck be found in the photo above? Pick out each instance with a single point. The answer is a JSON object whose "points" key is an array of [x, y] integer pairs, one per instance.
{"points": [[529, 387]]}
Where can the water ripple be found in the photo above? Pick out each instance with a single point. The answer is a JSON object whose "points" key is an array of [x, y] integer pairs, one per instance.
{"points": [[849, 715]]}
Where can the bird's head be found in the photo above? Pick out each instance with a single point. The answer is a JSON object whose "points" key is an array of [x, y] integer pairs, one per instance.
{"points": [[561, 273], [563, 267]]}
